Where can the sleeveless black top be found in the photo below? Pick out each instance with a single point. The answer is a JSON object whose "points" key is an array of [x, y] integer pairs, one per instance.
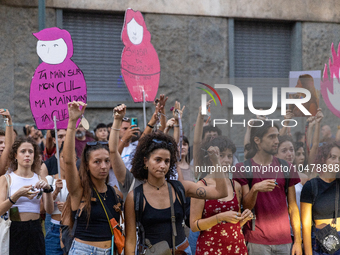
{"points": [[157, 223], [97, 228]]}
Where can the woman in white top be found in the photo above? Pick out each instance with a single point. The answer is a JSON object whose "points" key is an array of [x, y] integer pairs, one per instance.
{"points": [[26, 236]]}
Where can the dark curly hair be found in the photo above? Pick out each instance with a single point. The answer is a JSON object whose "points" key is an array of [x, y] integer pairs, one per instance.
{"points": [[324, 152], [13, 164], [222, 142], [148, 144]]}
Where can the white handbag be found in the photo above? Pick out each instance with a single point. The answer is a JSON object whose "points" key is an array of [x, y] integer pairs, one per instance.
{"points": [[4, 228]]}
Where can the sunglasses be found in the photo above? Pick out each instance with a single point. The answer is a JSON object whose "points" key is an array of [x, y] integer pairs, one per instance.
{"points": [[160, 141], [94, 143], [126, 119]]}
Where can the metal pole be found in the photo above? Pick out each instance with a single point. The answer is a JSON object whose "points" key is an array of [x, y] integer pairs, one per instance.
{"points": [[56, 144]]}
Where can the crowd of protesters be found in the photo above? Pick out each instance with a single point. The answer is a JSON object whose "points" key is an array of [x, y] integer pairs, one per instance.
{"points": [[64, 200]]}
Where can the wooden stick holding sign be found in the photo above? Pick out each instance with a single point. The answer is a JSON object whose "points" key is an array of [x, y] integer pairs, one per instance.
{"points": [[144, 109], [56, 144]]}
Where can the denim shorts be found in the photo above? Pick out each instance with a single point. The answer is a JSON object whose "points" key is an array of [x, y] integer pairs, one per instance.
{"points": [[52, 240], [78, 248]]}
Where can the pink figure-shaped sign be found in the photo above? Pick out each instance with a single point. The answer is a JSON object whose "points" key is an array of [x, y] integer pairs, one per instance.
{"points": [[139, 64], [56, 81], [330, 88]]}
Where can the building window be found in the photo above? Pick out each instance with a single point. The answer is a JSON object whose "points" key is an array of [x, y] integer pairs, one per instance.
{"points": [[262, 57], [97, 52]]}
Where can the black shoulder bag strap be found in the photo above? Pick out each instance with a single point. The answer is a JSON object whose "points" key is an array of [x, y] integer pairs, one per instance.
{"points": [[179, 189], [336, 201], [249, 176], [173, 220], [138, 201]]}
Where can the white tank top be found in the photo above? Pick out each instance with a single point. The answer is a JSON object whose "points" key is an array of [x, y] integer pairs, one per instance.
{"points": [[24, 204], [62, 195]]}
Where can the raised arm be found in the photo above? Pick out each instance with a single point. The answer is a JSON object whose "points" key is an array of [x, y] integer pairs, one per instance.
{"points": [[315, 146], [8, 140], [311, 123], [162, 100], [284, 129], [337, 135], [217, 191], [153, 120], [176, 110], [71, 173], [198, 131], [118, 165]]}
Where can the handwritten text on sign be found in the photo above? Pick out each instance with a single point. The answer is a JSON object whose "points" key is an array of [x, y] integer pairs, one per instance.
{"points": [[57, 81]]}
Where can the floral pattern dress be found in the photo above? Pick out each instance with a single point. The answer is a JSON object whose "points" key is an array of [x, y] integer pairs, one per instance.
{"points": [[223, 238]]}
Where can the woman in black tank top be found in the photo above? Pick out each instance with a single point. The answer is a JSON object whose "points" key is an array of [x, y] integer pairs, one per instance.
{"points": [[87, 187], [154, 162]]}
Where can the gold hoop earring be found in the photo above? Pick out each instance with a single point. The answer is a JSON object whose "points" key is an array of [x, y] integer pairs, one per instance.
{"points": [[145, 167]]}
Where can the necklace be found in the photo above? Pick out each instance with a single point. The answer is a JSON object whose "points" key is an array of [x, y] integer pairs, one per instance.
{"points": [[105, 196], [155, 185]]}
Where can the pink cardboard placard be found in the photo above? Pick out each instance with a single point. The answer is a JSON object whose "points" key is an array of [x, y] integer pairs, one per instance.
{"points": [[330, 87], [56, 81], [139, 64]]}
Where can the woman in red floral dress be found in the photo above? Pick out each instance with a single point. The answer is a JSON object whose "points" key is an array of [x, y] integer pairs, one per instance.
{"points": [[220, 221]]}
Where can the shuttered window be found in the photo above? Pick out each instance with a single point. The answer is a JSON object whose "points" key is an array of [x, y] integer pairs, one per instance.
{"points": [[97, 52], [262, 57]]}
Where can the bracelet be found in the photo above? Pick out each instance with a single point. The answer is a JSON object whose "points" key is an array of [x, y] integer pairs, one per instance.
{"points": [[123, 141], [150, 126], [176, 125], [48, 190], [9, 125], [10, 200], [117, 129], [197, 225]]}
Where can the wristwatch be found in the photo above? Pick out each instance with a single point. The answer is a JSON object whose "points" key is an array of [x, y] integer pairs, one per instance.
{"points": [[48, 190]]}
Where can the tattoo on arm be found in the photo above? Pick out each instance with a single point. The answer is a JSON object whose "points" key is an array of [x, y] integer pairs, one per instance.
{"points": [[200, 192]]}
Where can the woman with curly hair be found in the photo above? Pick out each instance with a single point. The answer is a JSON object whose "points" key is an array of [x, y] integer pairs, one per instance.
{"points": [[219, 221], [318, 206], [154, 162], [89, 192], [23, 202]]}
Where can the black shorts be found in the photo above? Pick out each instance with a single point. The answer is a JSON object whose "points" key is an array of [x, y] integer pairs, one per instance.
{"points": [[26, 238]]}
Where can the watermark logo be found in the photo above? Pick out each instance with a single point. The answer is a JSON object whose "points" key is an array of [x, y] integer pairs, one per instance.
{"points": [[204, 97], [238, 99]]}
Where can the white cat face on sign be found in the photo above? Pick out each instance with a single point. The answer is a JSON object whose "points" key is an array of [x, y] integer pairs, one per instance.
{"points": [[135, 32], [52, 52]]}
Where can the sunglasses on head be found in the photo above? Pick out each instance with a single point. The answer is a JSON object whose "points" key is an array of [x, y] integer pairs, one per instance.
{"points": [[126, 119], [160, 141], [94, 143]]}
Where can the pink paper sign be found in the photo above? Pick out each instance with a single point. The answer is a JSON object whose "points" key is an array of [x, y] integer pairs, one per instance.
{"points": [[56, 81], [139, 64], [330, 88]]}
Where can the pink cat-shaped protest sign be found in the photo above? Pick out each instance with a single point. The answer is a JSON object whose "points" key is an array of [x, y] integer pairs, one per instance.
{"points": [[139, 64], [330, 87], [56, 81]]}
